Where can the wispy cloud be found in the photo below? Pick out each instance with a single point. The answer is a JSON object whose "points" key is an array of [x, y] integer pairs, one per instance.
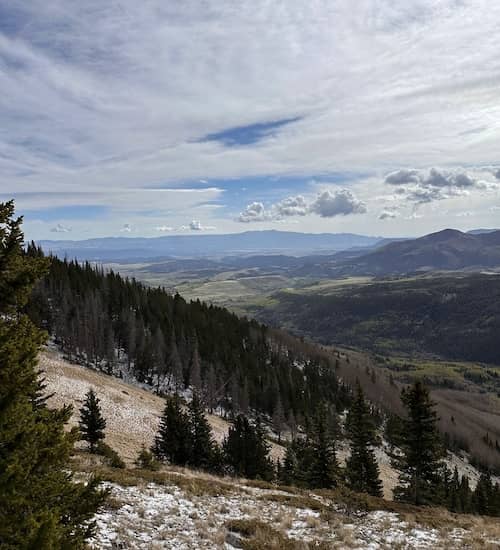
{"points": [[106, 103], [59, 228]]}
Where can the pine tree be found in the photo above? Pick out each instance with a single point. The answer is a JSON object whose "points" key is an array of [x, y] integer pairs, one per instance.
{"points": [[263, 465], [146, 460], [173, 440], [421, 446], [465, 495], [324, 469], [362, 470], [91, 422], [286, 473], [454, 504], [195, 374], [41, 504], [246, 450], [278, 418], [202, 442]]}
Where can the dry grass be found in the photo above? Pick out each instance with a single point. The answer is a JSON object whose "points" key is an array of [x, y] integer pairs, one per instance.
{"points": [[257, 535], [132, 413]]}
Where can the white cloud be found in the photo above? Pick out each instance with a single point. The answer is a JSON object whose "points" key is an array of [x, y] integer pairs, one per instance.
{"points": [[425, 186], [164, 228], [254, 212], [291, 206], [338, 203], [196, 225], [387, 214], [59, 228], [126, 228], [327, 204]]}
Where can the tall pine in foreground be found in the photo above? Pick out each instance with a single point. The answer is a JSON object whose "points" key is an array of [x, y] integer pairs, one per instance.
{"points": [[41, 506], [202, 443], [420, 442], [247, 451], [173, 440], [324, 468], [362, 470], [92, 423]]}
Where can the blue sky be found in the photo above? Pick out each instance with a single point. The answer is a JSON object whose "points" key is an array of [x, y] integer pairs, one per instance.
{"points": [[146, 118]]}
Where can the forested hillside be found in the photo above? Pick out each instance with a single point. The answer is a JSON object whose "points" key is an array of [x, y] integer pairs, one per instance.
{"points": [[115, 324], [453, 317]]}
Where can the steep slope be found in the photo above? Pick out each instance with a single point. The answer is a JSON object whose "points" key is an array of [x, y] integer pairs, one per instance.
{"points": [[132, 413], [178, 508]]}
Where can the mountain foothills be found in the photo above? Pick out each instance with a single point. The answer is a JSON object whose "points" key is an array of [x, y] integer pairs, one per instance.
{"points": [[456, 318], [446, 250]]}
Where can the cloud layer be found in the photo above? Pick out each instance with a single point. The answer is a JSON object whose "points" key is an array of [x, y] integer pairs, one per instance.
{"points": [[121, 105]]}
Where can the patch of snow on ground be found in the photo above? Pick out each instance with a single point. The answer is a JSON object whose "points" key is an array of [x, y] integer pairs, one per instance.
{"points": [[166, 517]]}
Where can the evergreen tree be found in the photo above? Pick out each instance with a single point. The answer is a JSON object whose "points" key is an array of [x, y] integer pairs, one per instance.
{"points": [[454, 503], [278, 418], [465, 495], [362, 470], [42, 506], [202, 443], [91, 422], [421, 446], [146, 460], [324, 468], [485, 499], [246, 450], [195, 374], [288, 469], [263, 464], [173, 440]]}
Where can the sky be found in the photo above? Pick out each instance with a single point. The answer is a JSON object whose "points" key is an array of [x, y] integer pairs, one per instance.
{"points": [[126, 118]]}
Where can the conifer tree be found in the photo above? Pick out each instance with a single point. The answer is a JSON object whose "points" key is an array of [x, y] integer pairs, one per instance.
{"points": [[41, 505], [246, 450], [362, 470], [146, 460], [173, 440], [202, 442], [195, 373], [465, 495], [91, 422], [263, 464], [324, 468], [421, 447], [278, 418], [454, 502], [287, 471]]}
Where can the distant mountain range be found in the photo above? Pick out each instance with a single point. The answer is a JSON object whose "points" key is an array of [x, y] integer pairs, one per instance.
{"points": [[216, 246], [325, 255], [445, 250]]}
